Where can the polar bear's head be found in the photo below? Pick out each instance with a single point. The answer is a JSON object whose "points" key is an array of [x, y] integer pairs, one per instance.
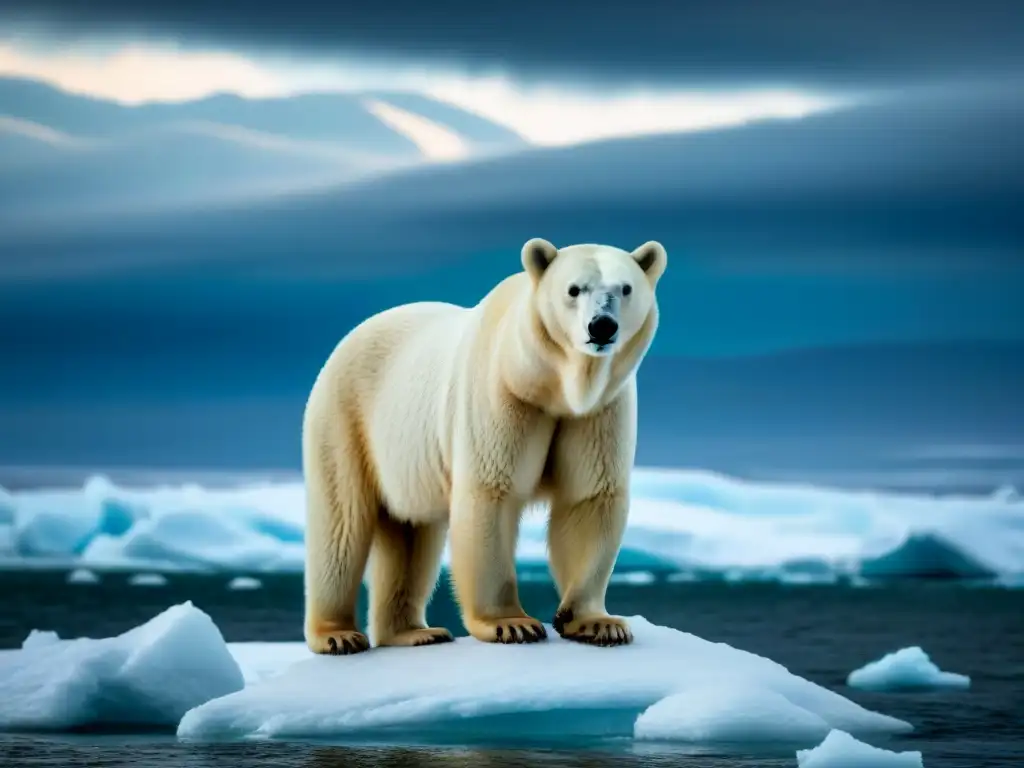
{"points": [[593, 298]]}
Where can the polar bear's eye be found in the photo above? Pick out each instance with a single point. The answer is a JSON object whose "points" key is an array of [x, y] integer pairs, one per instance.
{"points": [[627, 289], [574, 291]]}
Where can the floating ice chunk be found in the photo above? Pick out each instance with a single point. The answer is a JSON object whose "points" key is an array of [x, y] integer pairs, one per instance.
{"points": [[241, 583], [147, 580], [841, 750], [116, 513], [908, 669], [271, 525], [82, 576], [150, 675], [469, 689], [732, 714], [46, 531]]}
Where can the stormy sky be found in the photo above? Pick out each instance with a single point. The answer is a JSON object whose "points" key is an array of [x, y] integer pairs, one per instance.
{"points": [[884, 208], [863, 44]]}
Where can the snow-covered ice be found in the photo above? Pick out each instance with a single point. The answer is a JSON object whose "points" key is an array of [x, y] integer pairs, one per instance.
{"points": [[259, 661], [908, 669], [151, 675], [694, 521], [471, 690], [841, 750], [176, 670], [729, 714]]}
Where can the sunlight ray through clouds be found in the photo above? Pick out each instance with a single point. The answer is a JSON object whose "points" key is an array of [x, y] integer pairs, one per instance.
{"points": [[437, 143], [550, 115]]}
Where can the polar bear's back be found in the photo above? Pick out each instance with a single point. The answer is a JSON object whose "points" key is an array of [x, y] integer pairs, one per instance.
{"points": [[389, 380]]}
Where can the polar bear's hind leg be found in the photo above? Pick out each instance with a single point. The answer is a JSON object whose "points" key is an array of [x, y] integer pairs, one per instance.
{"points": [[341, 515], [404, 566]]}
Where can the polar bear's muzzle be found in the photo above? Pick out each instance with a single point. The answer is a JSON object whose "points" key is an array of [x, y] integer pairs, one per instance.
{"points": [[603, 330]]}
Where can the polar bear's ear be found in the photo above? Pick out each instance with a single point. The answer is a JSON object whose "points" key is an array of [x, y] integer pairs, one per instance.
{"points": [[652, 258], [538, 254]]}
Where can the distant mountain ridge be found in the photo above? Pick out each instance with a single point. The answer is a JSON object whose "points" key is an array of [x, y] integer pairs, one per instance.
{"points": [[335, 116], [62, 152]]}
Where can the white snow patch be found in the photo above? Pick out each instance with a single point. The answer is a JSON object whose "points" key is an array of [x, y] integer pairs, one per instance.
{"points": [[729, 714], [908, 669], [151, 675], [841, 750], [557, 688]]}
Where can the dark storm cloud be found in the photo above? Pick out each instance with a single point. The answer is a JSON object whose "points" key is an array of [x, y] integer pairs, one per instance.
{"points": [[824, 41], [930, 182]]}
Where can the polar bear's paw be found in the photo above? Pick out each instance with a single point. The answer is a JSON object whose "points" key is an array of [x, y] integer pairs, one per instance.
{"points": [[419, 636], [518, 629], [594, 630], [338, 642]]}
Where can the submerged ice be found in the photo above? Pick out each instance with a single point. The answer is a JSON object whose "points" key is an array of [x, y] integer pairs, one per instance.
{"points": [[689, 522]]}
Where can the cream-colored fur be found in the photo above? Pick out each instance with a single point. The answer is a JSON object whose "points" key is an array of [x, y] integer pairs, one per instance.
{"points": [[431, 416]]}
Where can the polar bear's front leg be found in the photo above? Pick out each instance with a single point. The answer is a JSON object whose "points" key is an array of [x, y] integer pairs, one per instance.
{"points": [[593, 459], [484, 533], [583, 540]]}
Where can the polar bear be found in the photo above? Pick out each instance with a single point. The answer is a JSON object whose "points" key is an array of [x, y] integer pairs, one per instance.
{"points": [[430, 417]]}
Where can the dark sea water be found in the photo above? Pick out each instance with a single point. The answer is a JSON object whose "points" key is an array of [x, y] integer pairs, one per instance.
{"points": [[819, 632]]}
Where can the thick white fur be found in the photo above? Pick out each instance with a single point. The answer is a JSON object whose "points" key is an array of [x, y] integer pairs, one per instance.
{"points": [[430, 416]]}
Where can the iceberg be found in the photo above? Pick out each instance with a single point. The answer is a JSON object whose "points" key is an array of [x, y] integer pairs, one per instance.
{"points": [[149, 676], [908, 669], [925, 554], [470, 691], [683, 521], [841, 750]]}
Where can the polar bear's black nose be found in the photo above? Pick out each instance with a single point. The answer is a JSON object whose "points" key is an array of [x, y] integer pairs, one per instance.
{"points": [[602, 329]]}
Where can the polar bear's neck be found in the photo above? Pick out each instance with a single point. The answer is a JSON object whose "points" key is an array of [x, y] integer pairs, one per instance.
{"points": [[562, 381], [586, 382]]}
